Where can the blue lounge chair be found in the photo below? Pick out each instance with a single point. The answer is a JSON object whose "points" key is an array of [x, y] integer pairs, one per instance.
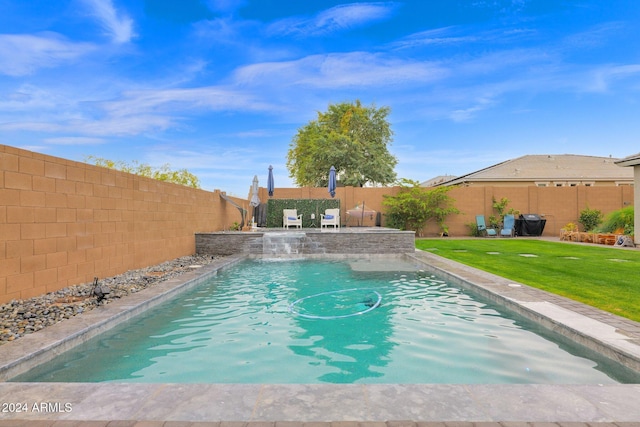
{"points": [[508, 229], [482, 227]]}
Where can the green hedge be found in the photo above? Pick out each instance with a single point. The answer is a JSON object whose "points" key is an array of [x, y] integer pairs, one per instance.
{"points": [[306, 207]]}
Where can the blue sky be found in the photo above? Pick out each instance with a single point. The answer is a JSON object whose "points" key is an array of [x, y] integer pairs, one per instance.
{"points": [[220, 86]]}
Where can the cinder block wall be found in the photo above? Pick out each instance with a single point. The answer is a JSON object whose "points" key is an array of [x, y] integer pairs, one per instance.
{"points": [[559, 205], [64, 222]]}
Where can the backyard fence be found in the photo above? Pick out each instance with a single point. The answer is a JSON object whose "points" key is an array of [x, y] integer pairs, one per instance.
{"points": [[64, 222], [558, 205]]}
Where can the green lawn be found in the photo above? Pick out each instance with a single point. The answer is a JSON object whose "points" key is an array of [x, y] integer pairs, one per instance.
{"points": [[601, 276]]}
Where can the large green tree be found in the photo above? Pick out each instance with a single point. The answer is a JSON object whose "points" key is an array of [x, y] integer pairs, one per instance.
{"points": [[349, 136]]}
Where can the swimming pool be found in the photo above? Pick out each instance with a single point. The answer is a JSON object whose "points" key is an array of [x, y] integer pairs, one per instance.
{"points": [[300, 321]]}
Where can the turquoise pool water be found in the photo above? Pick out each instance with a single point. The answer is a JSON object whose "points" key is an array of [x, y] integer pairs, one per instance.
{"points": [[302, 321]]}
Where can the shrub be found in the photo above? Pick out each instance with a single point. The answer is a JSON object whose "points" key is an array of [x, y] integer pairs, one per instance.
{"points": [[501, 207], [570, 227], [413, 206], [162, 173], [473, 229], [590, 218], [495, 222], [621, 219]]}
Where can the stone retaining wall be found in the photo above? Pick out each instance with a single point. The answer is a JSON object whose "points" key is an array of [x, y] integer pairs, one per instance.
{"points": [[307, 242], [228, 243]]}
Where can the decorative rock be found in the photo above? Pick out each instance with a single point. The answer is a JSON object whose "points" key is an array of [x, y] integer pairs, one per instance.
{"points": [[20, 317]]}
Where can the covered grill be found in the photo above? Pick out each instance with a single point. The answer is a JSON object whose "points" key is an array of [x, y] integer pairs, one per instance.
{"points": [[530, 225]]}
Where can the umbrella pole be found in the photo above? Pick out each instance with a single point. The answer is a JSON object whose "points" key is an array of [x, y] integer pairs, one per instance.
{"points": [[362, 221]]}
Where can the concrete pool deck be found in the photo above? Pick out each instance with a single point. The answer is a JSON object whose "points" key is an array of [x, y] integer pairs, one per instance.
{"points": [[320, 405]]}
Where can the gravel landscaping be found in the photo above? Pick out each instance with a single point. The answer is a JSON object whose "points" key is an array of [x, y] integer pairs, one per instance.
{"points": [[21, 317]]}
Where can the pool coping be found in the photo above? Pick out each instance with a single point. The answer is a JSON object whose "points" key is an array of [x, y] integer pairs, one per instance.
{"points": [[326, 402], [31, 350], [615, 337]]}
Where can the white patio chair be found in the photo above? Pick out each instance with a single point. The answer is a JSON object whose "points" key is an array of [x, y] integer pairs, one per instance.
{"points": [[330, 217], [290, 217]]}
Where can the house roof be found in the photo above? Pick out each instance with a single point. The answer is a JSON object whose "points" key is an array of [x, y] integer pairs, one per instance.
{"points": [[437, 180], [632, 160], [550, 167]]}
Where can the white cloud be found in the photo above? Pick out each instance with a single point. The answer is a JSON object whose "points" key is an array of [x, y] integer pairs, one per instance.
{"points": [[225, 30], [336, 19], [123, 125], [464, 36], [594, 37], [438, 36], [355, 69], [24, 54], [463, 115], [32, 126], [222, 158], [134, 113], [74, 140], [28, 97], [605, 77], [176, 100], [109, 126], [118, 26]]}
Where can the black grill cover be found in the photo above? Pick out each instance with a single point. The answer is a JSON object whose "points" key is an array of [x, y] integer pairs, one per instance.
{"points": [[531, 225]]}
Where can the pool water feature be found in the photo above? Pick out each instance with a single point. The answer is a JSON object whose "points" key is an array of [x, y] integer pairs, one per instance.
{"points": [[300, 321], [284, 243]]}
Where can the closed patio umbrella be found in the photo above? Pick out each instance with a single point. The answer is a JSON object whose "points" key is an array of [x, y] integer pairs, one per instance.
{"points": [[270, 181], [332, 181], [255, 200]]}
